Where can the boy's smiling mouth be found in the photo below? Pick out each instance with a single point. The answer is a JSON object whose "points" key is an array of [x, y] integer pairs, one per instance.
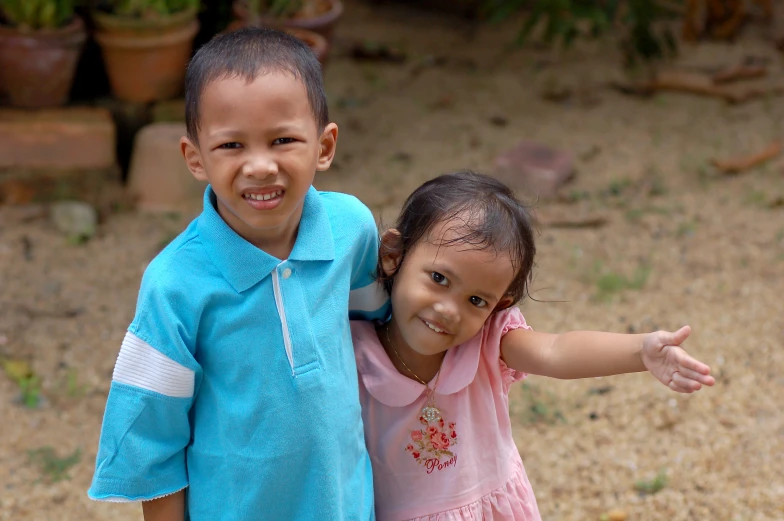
{"points": [[263, 199]]}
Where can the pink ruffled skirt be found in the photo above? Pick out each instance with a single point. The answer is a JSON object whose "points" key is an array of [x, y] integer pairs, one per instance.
{"points": [[514, 501]]}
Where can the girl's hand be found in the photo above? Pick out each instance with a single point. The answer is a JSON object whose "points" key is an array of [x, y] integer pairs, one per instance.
{"points": [[667, 361]]}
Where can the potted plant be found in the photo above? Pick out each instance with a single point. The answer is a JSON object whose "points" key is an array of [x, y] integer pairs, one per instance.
{"points": [[40, 44], [146, 45], [319, 16]]}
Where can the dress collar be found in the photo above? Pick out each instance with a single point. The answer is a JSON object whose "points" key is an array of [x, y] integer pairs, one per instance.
{"points": [[388, 386]]}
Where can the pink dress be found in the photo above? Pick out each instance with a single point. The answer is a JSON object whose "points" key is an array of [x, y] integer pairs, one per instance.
{"points": [[464, 467]]}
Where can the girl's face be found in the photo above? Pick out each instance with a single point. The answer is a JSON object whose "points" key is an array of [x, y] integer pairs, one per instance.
{"points": [[442, 294]]}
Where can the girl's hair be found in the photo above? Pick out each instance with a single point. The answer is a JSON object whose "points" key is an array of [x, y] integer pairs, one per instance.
{"points": [[489, 215]]}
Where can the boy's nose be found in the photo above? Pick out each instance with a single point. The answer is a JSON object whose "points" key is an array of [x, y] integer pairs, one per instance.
{"points": [[259, 166]]}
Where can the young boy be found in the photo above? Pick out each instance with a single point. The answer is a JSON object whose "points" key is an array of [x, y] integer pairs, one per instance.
{"points": [[235, 393]]}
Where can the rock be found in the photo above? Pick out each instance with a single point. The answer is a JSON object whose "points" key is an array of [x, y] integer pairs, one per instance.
{"points": [[615, 514], [534, 169], [73, 218]]}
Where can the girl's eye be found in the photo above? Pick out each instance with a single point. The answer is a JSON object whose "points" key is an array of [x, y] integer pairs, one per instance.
{"points": [[478, 302], [283, 141], [439, 279], [231, 145]]}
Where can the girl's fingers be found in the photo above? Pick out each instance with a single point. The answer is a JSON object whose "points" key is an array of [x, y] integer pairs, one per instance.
{"points": [[688, 374], [678, 337], [693, 364], [685, 382], [680, 389]]}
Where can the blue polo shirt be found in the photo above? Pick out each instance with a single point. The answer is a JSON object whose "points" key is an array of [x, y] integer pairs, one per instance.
{"points": [[237, 379]]}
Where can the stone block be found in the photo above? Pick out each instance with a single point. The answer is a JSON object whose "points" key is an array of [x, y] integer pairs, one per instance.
{"points": [[534, 169], [57, 139], [158, 179], [23, 186]]}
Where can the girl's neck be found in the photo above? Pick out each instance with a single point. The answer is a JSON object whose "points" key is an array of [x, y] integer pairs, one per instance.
{"points": [[405, 359]]}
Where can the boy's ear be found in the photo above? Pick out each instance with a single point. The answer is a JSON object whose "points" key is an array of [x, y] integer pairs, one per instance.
{"points": [[391, 251], [192, 157], [327, 145]]}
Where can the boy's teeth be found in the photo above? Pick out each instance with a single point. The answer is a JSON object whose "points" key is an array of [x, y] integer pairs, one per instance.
{"points": [[264, 197]]}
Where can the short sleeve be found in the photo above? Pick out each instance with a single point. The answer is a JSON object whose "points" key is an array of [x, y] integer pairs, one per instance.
{"points": [[500, 324], [145, 430], [367, 300]]}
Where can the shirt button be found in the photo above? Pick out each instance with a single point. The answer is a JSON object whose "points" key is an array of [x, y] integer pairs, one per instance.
{"points": [[286, 273]]}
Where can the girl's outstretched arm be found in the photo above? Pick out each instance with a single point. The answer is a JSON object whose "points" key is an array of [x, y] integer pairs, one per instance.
{"points": [[586, 354]]}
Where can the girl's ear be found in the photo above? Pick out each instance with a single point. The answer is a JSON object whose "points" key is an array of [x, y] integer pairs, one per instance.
{"points": [[391, 251], [504, 303]]}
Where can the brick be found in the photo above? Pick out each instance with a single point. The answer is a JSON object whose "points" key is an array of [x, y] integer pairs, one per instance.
{"points": [[158, 179], [57, 139], [23, 186]]}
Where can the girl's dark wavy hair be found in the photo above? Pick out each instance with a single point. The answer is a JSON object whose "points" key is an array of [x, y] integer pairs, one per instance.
{"points": [[487, 215]]}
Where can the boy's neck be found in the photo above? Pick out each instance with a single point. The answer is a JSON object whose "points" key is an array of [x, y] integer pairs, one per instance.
{"points": [[278, 241], [280, 248]]}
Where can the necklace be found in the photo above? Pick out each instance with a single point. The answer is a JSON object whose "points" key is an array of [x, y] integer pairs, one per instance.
{"points": [[430, 412]]}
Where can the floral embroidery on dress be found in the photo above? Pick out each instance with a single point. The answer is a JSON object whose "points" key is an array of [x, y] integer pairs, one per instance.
{"points": [[430, 445]]}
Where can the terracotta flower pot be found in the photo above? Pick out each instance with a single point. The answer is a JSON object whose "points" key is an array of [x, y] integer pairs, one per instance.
{"points": [[146, 60], [37, 67], [316, 42], [323, 24]]}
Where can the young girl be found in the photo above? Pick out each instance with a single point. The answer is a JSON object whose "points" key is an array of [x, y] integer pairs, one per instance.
{"points": [[434, 380]]}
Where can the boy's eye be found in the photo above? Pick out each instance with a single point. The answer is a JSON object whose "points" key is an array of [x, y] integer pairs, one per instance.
{"points": [[231, 145], [478, 302], [439, 279], [283, 141]]}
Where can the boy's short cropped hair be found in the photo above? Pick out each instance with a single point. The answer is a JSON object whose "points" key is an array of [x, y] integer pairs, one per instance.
{"points": [[248, 52]]}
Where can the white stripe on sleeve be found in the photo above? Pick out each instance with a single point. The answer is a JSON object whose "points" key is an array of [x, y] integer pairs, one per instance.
{"points": [[141, 365], [368, 298]]}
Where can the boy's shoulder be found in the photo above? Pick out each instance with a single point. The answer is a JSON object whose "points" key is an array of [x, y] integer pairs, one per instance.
{"points": [[345, 207], [180, 263]]}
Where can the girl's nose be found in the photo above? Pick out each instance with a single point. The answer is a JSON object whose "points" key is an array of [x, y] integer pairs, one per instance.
{"points": [[448, 310]]}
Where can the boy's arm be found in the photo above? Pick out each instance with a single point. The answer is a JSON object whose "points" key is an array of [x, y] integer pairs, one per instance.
{"points": [[166, 508], [146, 427], [367, 300], [586, 354]]}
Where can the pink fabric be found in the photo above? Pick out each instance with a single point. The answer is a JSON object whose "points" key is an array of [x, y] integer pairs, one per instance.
{"points": [[465, 467]]}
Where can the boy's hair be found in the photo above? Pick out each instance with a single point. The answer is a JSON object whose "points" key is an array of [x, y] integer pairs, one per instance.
{"points": [[490, 217], [247, 53]]}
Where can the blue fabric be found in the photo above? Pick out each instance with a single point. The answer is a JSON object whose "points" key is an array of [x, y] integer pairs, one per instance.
{"points": [[261, 438]]}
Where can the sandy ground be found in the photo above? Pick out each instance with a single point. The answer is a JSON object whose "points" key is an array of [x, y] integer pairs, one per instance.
{"points": [[712, 247]]}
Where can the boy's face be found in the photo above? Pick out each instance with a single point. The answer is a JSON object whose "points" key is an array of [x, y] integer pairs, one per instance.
{"points": [[259, 147]]}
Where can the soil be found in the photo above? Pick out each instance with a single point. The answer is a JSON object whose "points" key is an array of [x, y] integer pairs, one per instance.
{"points": [[669, 241]]}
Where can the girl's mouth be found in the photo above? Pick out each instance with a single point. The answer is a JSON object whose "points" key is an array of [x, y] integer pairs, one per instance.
{"points": [[434, 327]]}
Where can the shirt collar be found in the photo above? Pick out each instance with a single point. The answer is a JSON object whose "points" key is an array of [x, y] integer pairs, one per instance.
{"points": [[244, 265], [391, 388]]}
